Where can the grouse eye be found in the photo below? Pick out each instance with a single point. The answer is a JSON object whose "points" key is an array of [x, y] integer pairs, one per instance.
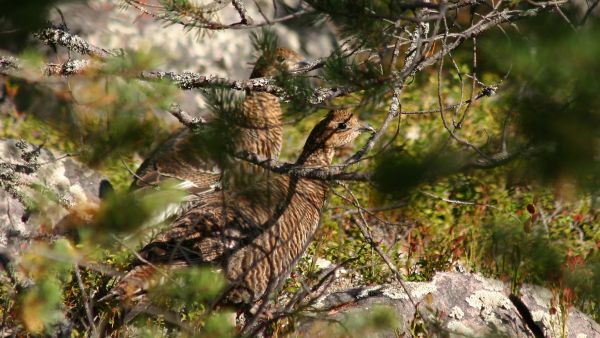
{"points": [[342, 126], [280, 58]]}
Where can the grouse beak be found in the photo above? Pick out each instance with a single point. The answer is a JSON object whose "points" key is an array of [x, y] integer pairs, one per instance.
{"points": [[301, 66], [366, 128]]}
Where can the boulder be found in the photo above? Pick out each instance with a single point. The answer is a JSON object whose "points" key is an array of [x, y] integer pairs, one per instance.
{"points": [[453, 304], [52, 183]]}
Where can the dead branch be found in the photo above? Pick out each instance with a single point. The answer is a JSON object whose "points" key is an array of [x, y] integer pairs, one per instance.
{"points": [[332, 173], [56, 36], [185, 118], [241, 9], [191, 20]]}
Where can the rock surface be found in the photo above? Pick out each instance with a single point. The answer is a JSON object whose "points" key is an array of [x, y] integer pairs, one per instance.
{"points": [[454, 304], [226, 53], [60, 182]]}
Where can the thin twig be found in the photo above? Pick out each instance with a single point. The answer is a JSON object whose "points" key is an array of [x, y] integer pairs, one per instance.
{"points": [[241, 9], [329, 173], [451, 131], [485, 92], [139, 257], [185, 118], [212, 25], [71, 67], [362, 226], [588, 12], [262, 13], [133, 174], [460, 202], [86, 300]]}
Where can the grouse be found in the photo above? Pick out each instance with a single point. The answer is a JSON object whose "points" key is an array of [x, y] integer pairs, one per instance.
{"points": [[188, 156], [256, 129], [255, 238]]}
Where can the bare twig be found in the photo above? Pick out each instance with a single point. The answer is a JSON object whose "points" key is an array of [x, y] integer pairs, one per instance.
{"points": [[460, 202], [485, 92], [490, 21], [369, 211], [188, 80], [86, 300], [241, 9], [397, 85], [451, 131], [138, 177], [321, 173], [171, 317], [139, 257], [191, 21], [262, 13], [185, 118], [588, 12], [362, 226], [299, 302]]}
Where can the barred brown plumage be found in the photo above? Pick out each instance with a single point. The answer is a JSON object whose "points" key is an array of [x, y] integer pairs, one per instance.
{"points": [[190, 158], [256, 239], [257, 129]]}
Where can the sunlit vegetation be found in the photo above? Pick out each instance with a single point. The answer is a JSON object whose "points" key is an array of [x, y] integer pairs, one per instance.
{"points": [[431, 205]]}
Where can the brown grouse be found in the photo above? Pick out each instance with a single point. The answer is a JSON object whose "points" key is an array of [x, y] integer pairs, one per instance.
{"points": [[256, 129], [254, 238]]}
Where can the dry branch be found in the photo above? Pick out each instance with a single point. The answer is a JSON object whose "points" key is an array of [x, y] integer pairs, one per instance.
{"points": [[56, 36], [321, 173]]}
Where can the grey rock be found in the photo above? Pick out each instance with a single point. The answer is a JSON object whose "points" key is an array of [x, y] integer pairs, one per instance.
{"points": [[227, 53], [68, 181], [454, 304]]}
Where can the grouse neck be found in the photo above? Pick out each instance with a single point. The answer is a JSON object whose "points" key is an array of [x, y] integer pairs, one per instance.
{"points": [[260, 111], [319, 157], [264, 265]]}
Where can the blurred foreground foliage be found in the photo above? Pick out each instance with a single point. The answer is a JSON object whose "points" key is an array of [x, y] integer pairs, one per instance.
{"points": [[19, 19], [534, 219]]}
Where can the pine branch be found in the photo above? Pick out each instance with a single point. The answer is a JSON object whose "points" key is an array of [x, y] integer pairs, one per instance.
{"points": [[336, 173], [55, 36], [194, 20], [492, 20], [322, 173], [189, 80]]}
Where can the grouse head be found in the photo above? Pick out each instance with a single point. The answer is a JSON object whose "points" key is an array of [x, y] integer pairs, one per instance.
{"points": [[339, 128], [271, 63]]}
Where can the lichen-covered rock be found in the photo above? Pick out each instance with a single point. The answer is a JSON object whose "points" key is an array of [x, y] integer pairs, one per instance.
{"points": [[453, 304], [226, 53], [49, 182]]}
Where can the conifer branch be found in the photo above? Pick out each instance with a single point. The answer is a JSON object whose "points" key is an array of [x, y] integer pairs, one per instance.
{"points": [[195, 18], [492, 20], [332, 173], [55, 36], [190, 80]]}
